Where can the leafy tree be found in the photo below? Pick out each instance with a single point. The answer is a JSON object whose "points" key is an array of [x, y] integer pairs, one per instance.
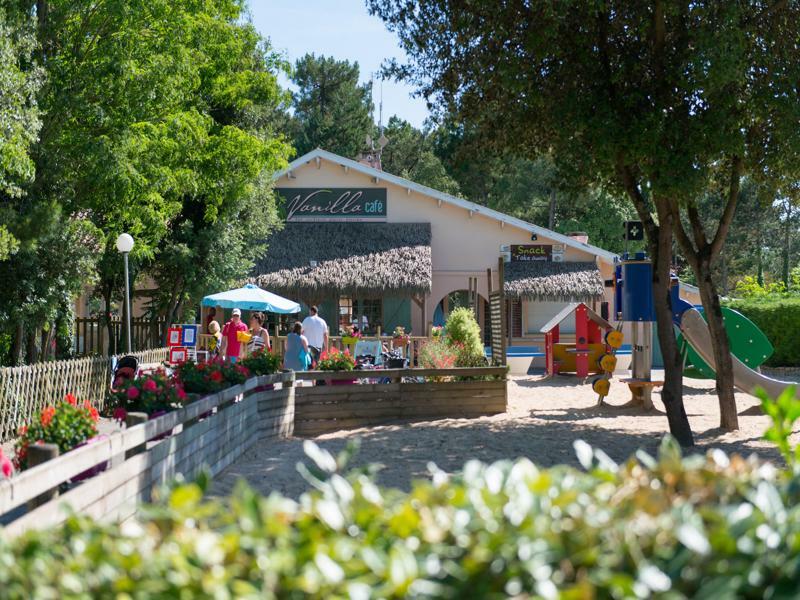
{"points": [[331, 109], [150, 107], [20, 80], [661, 101], [410, 154]]}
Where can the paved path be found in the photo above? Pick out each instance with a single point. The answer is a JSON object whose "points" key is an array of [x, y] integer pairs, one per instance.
{"points": [[543, 420]]}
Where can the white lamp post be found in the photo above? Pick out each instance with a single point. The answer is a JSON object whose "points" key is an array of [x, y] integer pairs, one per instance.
{"points": [[124, 246]]}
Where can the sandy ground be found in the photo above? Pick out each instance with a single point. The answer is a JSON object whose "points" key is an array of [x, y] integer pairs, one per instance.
{"points": [[544, 417]]}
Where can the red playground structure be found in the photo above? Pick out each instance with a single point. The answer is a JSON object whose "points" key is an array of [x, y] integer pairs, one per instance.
{"points": [[583, 356]]}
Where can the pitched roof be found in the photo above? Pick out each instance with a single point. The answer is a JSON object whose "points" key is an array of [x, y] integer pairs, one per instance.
{"points": [[366, 259], [320, 154], [556, 281]]}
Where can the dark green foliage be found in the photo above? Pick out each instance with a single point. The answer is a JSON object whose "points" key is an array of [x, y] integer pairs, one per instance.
{"points": [[711, 527], [779, 319], [332, 110], [410, 154]]}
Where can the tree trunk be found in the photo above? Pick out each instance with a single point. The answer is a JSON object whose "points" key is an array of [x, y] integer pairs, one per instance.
{"points": [[672, 392], [551, 217], [728, 418], [724, 275], [109, 326], [18, 349], [785, 251], [33, 350]]}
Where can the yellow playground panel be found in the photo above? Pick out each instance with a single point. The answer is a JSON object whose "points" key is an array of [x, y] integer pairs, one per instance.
{"points": [[564, 355]]}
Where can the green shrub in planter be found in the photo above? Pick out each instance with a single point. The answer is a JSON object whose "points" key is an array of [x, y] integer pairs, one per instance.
{"points": [[464, 332]]}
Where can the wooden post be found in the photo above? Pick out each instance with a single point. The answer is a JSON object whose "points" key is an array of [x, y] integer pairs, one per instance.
{"points": [[131, 419], [426, 331], [38, 454], [581, 341]]}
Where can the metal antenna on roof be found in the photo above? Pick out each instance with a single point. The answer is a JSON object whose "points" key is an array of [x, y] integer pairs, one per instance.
{"points": [[380, 113]]}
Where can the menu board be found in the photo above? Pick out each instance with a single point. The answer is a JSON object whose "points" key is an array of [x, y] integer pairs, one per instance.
{"points": [[531, 252]]}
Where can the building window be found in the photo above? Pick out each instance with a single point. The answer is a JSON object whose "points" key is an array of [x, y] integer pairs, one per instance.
{"points": [[353, 310], [372, 309], [345, 313]]}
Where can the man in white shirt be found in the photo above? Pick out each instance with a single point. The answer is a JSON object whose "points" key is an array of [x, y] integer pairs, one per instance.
{"points": [[316, 331]]}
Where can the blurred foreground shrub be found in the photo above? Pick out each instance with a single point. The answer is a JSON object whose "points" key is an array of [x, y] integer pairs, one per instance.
{"points": [[671, 527]]}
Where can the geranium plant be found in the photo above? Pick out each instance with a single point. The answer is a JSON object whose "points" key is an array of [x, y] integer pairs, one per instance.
{"points": [[151, 393], [211, 376], [262, 362], [438, 354], [437, 331], [336, 360], [68, 424]]}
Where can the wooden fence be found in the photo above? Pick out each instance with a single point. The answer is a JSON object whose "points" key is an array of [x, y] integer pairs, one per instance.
{"points": [[91, 335], [242, 415], [24, 391], [407, 394], [410, 349]]}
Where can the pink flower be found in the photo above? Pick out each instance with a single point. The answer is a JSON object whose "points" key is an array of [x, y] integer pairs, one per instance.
{"points": [[150, 385], [133, 393], [5, 465], [120, 414], [181, 394]]}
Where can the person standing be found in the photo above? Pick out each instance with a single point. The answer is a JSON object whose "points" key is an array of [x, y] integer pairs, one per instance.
{"points": [[316, 331], [231, 346], [260, 339], [297, 357]]}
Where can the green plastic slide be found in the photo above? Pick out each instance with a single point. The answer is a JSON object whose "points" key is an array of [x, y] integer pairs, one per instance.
{"points": [[748, 344]]}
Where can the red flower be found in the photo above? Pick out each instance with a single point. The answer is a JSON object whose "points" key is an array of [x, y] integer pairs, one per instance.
{"points": [[23, 430], [120, 414], [47, 415], [216, 376], [181, 394], [133, 393], [323, 355], [150, 385], [92, 412], [71, 399]]}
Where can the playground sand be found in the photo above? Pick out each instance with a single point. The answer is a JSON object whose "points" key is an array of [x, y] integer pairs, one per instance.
{"points": [[544, 417]]}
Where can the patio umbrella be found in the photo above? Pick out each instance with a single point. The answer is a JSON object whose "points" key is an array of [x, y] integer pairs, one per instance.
{"points": [[252, 297]]}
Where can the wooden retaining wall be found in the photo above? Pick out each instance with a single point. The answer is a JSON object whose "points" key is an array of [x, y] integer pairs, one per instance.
{"points": [[242, 415], [25, 391], [322, 409]]}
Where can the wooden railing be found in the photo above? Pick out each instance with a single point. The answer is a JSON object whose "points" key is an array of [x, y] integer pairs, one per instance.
{"points": [[241, 415], [92, 338], [410, 349], [24, 391]]}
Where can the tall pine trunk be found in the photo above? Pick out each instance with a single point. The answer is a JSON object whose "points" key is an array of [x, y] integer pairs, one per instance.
{"points": [[728, 417], [672, 392]]}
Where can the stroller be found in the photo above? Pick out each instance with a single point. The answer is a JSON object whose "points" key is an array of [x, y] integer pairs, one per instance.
{"points": [[126, 369]]}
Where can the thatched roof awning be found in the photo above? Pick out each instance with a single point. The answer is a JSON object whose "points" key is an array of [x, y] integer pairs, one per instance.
{"points": [[556, 281], [359, 259]]}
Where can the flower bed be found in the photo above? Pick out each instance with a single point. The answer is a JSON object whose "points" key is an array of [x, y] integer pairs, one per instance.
{"points": [[151, 393], [68, 424]]}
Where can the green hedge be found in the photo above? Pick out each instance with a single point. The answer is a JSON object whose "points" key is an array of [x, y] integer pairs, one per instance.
{"points": [[779, 319], [698, 527]]}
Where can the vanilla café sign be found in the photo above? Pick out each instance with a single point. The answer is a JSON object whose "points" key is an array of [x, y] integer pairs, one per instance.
{"points": [[334, 204]]}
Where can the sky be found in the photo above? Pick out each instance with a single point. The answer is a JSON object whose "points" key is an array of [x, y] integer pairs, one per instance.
{"points": [[345, 30]]}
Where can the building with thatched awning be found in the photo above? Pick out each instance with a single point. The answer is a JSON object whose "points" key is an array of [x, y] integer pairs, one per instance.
{"points": [[364, 244], [316, 261], [554, 281]]}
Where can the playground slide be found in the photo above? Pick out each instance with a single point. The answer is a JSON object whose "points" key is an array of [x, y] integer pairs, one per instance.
{"points": [[695, 331]]}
